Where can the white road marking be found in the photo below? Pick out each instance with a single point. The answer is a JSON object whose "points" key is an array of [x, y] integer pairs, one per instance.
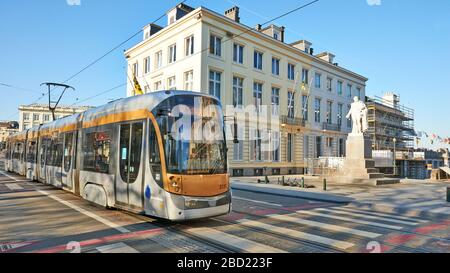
{"points": [[117, 248], [7, 175], [297, 234], [383, 214], [241, 244], [257, 201], [385, 219], [362, 233], [87, 213], [14, 187], [349, 219], [83, 211]]}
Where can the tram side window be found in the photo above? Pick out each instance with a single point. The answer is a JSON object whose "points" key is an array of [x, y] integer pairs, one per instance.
{"points": [[49, 153], [31, 152], [155, 158], [96, 151], [17, 154], [57, 151], [68, 146]]}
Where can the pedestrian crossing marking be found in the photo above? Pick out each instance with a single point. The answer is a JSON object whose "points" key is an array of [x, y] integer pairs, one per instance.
{"points": [[297, 234], [342, 218], [385, 219], [384, 214], [361, 233], [241, 244], [117, 248], [14, 187]]}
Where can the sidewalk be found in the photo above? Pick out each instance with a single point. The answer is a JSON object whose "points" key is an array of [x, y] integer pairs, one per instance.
{"points": [[411, 197]]}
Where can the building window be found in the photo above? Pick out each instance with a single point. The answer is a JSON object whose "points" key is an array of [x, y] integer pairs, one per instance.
{"points": [[291, 72], [317, 103], [305, 106], [158, 58], [275, 145], [146, 89], [46, 118], [238, 90], [349, 91], [215, 45], [171, 83], [305, 76], [340, 114], [238, 53], [289, 147], [329, 112], [291, 104], [358, 92], [135, 69], [349, 121], [214, 83], [329, 84], [172, 53], [318, 146], [189, 46], [26, 116], [238, 151], [341, 148], [275, 66], [258, 60], [158, 85], [147, 65], [255, 147], [318, 80], [339, 88], [275, 101], [257, 96], [189, 80], [36, 117], [330, 141]]}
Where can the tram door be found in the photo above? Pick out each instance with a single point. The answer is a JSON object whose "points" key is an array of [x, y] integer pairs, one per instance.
{"points": [[66, 172], [42, 158], [129, 181]]}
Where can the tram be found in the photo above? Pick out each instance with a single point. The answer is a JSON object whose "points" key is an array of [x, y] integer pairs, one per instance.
{"points": [[161, 154]]}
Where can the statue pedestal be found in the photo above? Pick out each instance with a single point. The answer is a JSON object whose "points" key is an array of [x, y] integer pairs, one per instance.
{"points": [[359, 167]]}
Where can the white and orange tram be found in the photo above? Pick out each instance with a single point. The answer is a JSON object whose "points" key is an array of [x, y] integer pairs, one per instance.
{"points": [[161, 154]]}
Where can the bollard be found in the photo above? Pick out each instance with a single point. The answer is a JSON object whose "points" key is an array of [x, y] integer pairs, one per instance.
{"points": [[303, 182], [267, 179], [282, 180], [324, 184], [448, 194]]}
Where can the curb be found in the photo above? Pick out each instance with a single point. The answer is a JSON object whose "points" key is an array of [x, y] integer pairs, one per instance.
{"points": [[313, 196]]}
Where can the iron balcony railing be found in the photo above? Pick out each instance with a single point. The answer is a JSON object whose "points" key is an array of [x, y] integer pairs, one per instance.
{"points": [[331, 127], [285, 120]]}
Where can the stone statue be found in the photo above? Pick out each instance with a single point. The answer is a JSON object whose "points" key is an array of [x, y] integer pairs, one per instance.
{"points": [[358, 113]]}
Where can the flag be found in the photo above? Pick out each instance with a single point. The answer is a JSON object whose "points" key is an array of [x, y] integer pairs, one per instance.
{"points": [[426, 134], [419, 134], [137, 86], [417, 141]]}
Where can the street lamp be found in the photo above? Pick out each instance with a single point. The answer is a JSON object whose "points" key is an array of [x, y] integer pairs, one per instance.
{"points": [[395, 156]]}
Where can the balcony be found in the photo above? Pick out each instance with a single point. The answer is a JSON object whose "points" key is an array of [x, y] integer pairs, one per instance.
{"points": [[331, 127], [285, 120]]}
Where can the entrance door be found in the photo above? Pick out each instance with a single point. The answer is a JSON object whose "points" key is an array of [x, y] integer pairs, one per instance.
{"points": [[66, 172], [129, 180]]}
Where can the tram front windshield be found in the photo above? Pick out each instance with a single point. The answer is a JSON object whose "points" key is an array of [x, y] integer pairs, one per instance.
{"points": [[193, 135]]}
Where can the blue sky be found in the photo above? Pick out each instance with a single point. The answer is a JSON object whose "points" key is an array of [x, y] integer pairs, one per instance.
{"points": [[400, 45]]}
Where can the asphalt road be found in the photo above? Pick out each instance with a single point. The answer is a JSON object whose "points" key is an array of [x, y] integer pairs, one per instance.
{"points": [[39, 218]]}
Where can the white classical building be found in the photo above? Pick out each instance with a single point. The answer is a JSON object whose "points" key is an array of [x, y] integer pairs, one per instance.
{"points": [[36, 114], [204, 51]]}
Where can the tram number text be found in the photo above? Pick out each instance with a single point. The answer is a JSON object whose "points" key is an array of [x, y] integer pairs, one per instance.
{"points": [[246, 262]]}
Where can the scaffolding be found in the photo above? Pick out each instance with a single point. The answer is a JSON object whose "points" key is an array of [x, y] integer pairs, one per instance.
{"points": [[390, 124]]}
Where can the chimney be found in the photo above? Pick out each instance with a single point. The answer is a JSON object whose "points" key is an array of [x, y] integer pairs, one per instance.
{"points": [[233, 14], [326, 56], [303, 45]]}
